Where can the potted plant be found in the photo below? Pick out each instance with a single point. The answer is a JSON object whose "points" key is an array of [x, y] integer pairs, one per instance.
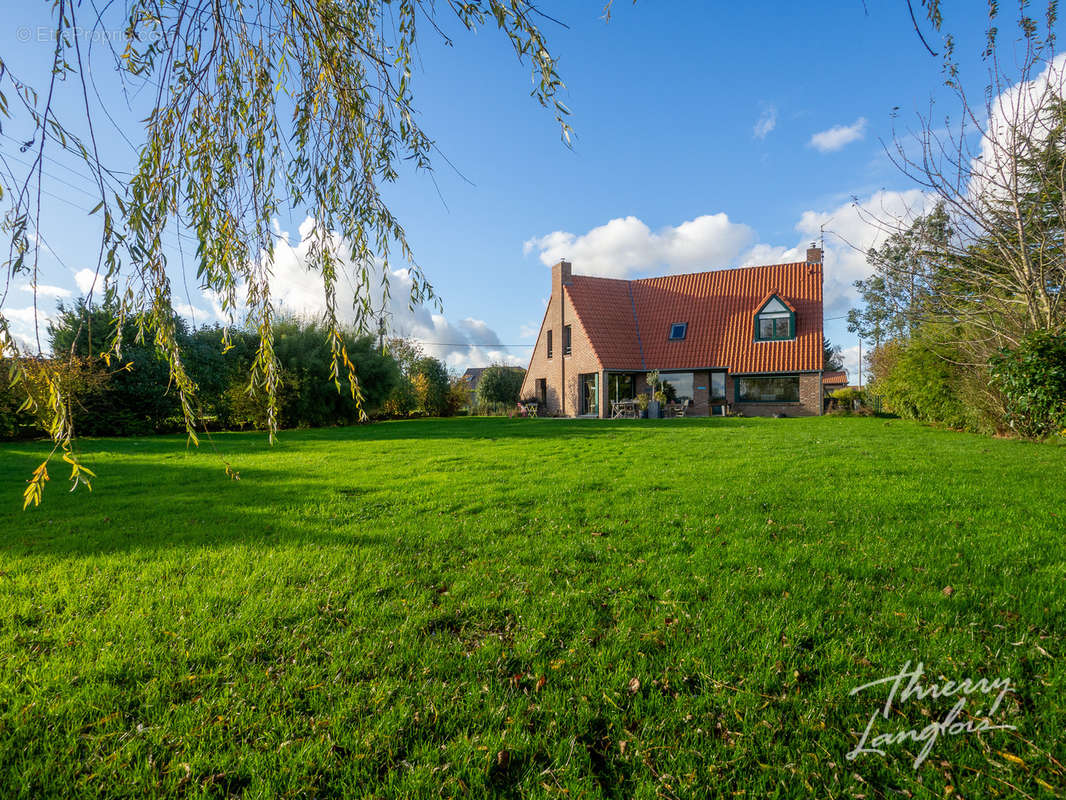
{"points": [[643, 400], [655, 406]]}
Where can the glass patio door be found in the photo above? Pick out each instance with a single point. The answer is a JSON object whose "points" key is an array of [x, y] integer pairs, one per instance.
{"points": [[717, 394], [590, 394]]}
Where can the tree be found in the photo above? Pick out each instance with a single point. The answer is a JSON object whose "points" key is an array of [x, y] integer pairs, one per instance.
{"points": [[907, 281], [500, 384], [997, 177], [831, 358], [432, 384], [253, 108]]}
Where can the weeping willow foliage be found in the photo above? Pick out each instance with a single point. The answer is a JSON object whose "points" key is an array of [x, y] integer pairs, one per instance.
{"points": [[257, 107]]}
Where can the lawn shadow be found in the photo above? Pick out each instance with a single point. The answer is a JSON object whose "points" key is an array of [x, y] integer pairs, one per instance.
{"points": [[137, 506]]}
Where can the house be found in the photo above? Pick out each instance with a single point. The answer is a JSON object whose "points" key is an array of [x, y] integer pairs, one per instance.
{"points": [[747, 339], [831, 381]]}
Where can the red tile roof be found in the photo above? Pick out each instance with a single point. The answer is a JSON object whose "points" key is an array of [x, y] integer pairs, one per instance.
{"points": [[628, 322], [835, 378]]}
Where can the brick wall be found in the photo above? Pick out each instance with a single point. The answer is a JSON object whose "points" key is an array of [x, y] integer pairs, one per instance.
{"points": [[561, 373]]}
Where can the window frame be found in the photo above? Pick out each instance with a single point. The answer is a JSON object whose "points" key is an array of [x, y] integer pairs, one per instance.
{"points": [[738, 379], [684, 331], [568, 340], [774, 317], [549, 342]]}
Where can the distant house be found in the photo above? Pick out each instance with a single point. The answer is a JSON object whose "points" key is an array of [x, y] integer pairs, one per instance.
{"points": [[831, 381], [473, 376], [749, 339]]}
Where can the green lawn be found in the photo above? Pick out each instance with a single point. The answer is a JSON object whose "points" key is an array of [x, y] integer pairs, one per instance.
{"points": [[485, 607]]}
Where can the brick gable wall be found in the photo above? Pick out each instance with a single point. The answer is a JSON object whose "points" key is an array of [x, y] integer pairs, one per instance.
{"points": [[562, 373]]}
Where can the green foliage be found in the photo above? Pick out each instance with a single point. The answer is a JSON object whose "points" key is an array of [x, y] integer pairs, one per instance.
{"points": [[916, 379], [848, 395], [908, 281], [500, 384], [1032, 378], [135, 396], [432, 385], [255, 108], [458, 396], [831, 358], [309, 397], [442, 592]]}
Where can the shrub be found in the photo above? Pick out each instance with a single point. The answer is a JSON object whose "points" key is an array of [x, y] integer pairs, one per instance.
{"points": [[78, 379], [919, 378], [139, 399], [458, 399], [1032, 378], [431, 383], [499, 384]]}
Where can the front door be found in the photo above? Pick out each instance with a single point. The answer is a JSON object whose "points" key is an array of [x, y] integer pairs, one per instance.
{"points": [[590, 394]]}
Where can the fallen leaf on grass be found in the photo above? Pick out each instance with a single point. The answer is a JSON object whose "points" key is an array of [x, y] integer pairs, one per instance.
{"points": [[1012, 758], [948, 591], [634, 685]]}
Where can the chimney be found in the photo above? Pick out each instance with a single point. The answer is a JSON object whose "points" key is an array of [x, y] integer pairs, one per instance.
{"points": [[814, 254], [561, 274]]}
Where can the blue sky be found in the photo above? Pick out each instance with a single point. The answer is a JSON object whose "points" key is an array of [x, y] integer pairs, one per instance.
{"points": [[754, 123]]}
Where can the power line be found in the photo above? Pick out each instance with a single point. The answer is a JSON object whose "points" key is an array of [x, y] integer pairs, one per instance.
{"points": [[470, 344]]}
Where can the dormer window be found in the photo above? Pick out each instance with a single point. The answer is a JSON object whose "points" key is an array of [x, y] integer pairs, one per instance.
{"points": [[678, 330], [775, 321]]}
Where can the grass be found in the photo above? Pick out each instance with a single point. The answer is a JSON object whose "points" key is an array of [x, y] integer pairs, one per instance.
{"points": [[491, 607]]}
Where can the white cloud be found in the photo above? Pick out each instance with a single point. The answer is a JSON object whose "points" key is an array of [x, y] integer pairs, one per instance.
{"points": [[527, 331], [850, 357], [626, 245], [465, 343], [851, 229], [44, 290], [25, 324], [1019, 116], [838, 136], [767, 122], [85, 278], [25, 316]]}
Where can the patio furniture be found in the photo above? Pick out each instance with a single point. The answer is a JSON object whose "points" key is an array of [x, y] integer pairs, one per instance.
{"points": [[675, 410], [624, 409]]}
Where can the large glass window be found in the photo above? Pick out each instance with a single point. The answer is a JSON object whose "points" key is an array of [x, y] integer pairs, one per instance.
{"points": [[783, 389], [620, 387], [678, 386]]}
